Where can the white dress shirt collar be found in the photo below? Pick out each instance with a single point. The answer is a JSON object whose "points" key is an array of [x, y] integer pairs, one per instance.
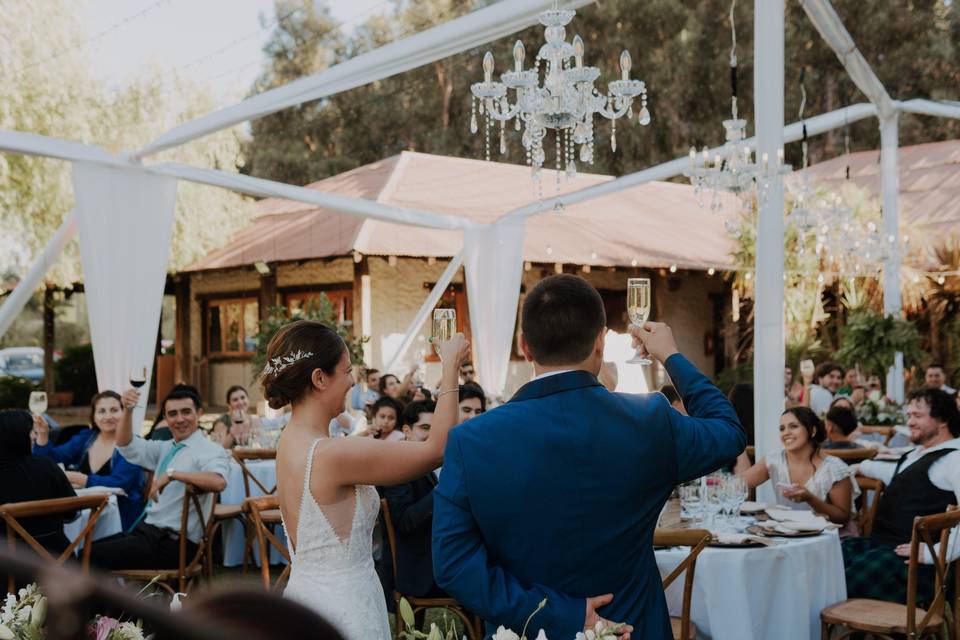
{"points": [[551, 373]]}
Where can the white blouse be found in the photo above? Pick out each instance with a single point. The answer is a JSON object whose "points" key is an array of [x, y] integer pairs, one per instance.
{"points": [[831, 471]]}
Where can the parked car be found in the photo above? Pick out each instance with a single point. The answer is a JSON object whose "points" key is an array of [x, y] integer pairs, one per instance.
{"points": [[22, 362]]}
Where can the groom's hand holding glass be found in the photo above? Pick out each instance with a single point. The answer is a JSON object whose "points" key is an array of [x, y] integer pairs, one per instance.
{"points": [[593, 617], [656, 338]]}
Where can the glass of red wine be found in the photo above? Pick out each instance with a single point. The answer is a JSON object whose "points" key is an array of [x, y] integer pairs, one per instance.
{"points": [[138, 378]]}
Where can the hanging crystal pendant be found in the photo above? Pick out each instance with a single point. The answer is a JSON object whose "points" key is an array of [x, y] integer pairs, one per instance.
{"points": [[473, 123], [571, 169], [644, 116]]}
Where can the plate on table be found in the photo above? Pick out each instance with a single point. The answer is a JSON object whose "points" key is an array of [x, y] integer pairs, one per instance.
{"points": [[100, 490], [736, 541], [750, 508], [780, 531]]}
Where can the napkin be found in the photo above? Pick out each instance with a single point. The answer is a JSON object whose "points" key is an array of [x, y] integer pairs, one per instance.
{"points": [[740, 538], [752, 507], [100, 490]]}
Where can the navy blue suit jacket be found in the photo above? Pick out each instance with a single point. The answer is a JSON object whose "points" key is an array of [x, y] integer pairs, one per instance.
{"points": [[556, 495]]}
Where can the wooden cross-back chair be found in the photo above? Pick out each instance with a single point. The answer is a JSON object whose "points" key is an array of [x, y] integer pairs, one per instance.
{"points": [[888, 619], [225, 512], [264, 514], [13, 512], [851, 455], [696, 539], [188, 568], [868, 510], [472, 624]]}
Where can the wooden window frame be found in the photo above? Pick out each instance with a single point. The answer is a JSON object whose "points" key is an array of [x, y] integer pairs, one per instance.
{"points": [[333, 292], [220, 301]]}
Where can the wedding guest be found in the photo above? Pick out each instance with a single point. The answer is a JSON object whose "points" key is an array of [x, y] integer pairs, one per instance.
{"points": [[411, 510], [925, 481], [873, 384], [804, 477], [159, 430], [392, 387], [25, 477], [154, 542], [828, 377], [363, 396], [91, 457], [792, 390], [935, 378], [236, 426], [840, 424], [473, 401], [421, 394], [844, 402], [670, 393], [468, 374], [386, 418]]}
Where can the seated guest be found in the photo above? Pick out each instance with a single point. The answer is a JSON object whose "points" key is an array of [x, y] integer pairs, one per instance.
{"points": [[421, 394], [473, 401], [386, 419], [411, 510], [468, 374], [923, 482], [363, 396], [934, 377], [153, 543], [25, 477], [91, 457], [827, 379], [236, 426], [805, 478], [841, 422], [159, 430], [391, 387], [670, 392]]}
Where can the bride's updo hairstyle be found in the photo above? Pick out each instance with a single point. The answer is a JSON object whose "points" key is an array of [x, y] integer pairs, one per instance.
{"points": [[292, 355]]}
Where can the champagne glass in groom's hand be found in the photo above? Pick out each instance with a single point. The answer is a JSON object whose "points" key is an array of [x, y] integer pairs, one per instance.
{"points": [[656, 338]]}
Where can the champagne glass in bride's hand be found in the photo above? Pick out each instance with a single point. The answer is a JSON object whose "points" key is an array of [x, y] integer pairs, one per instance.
{"points": [[444, 327], [138, 378], [638, 308], [453, 352]]}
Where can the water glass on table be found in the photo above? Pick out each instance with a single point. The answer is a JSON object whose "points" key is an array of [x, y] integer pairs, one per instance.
{"points": [[712, 497], [691, 505]]}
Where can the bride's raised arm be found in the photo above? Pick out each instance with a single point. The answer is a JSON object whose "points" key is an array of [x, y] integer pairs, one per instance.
{"points": [[384, 463]]}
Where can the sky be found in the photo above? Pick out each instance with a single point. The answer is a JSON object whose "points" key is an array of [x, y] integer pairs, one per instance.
{"points": [[216, 43]]}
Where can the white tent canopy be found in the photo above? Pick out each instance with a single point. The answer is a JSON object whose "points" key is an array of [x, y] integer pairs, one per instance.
{"points": [[496, 289]]}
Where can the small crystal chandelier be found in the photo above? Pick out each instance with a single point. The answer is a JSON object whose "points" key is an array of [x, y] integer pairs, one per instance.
{"points": [[733, 169], [565, 103]]}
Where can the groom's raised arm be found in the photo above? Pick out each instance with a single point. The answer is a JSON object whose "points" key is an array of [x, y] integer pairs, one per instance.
{"points": [[712, 434], [463, 568]]}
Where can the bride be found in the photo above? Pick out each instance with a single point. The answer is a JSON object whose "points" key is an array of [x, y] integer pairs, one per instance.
{"points": [[327, 499]]}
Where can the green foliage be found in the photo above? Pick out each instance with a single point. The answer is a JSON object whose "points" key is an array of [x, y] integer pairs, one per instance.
{"points": [[870, 340], [76, 372], [15, 392], [323, 312]]}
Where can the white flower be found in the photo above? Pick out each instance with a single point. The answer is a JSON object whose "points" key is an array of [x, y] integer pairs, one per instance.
{"points": [[874, 395], [580, 636], [598, 627], [24, 613], [505, 634], [541, 635], [39, 613], [175, 604], [5, 632], [591, 635]]}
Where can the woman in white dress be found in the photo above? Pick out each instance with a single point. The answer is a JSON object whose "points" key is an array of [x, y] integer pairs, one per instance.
{"points": [[804, 477], [326, 485]]}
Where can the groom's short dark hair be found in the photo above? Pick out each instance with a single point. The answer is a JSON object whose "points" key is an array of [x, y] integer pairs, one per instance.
{"points": [[562, 317]]}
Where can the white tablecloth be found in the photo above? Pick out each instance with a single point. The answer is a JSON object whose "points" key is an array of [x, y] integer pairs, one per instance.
{"points": [[107, 524], [760, 593], [232, 530]]}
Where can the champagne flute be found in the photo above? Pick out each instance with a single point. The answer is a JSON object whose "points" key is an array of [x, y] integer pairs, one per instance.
{"points": [[638, 308], [138, 378], [444, 326], [38, 402]]}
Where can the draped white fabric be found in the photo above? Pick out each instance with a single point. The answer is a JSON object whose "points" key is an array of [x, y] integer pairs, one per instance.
{"points": [[125, 219], [18, 298], [494, 269]]}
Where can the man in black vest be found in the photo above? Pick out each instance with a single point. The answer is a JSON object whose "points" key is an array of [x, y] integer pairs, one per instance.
{"points": [[924, 481], [411, 510]]}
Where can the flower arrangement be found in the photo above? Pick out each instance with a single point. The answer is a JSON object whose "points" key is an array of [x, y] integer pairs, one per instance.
{"points": [[599, 632], [877, 410]]}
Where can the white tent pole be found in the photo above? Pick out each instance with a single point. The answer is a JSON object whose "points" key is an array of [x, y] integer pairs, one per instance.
{"points": [[672, 168], [456, 36], [428, 305], [931, 108], [768, 340], [890, 189], [15, 302]]}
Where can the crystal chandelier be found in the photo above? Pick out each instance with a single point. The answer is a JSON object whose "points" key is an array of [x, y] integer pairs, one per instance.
{"points": [[566, 102], [733, 168]]}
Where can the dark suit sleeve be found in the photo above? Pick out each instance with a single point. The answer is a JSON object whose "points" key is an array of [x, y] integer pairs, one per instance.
{"points": [[407, 512], [711, 435], [462, 566]]}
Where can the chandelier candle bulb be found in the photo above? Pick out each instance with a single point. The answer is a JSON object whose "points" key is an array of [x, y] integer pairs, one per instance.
{"points": [[578, 51], [519, 53], [625, 64], [488, 67]]}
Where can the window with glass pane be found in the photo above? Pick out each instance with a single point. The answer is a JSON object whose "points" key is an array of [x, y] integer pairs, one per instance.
{"points": [[231, 326]]}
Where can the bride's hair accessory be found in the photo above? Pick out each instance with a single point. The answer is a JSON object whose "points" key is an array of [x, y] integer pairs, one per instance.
{"points": [[278, 364]]}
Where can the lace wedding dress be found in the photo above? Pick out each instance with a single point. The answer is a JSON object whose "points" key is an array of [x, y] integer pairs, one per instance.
{"points": [[332, 568]]}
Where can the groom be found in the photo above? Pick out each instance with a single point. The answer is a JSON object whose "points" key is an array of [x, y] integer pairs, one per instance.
{"points": [[556, 494]]}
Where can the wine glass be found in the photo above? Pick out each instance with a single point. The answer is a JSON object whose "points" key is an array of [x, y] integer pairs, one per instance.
{"points": [[138, 378], [691, 507], [38, 402], [712, 498], [638, 308], [444, 326]]}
